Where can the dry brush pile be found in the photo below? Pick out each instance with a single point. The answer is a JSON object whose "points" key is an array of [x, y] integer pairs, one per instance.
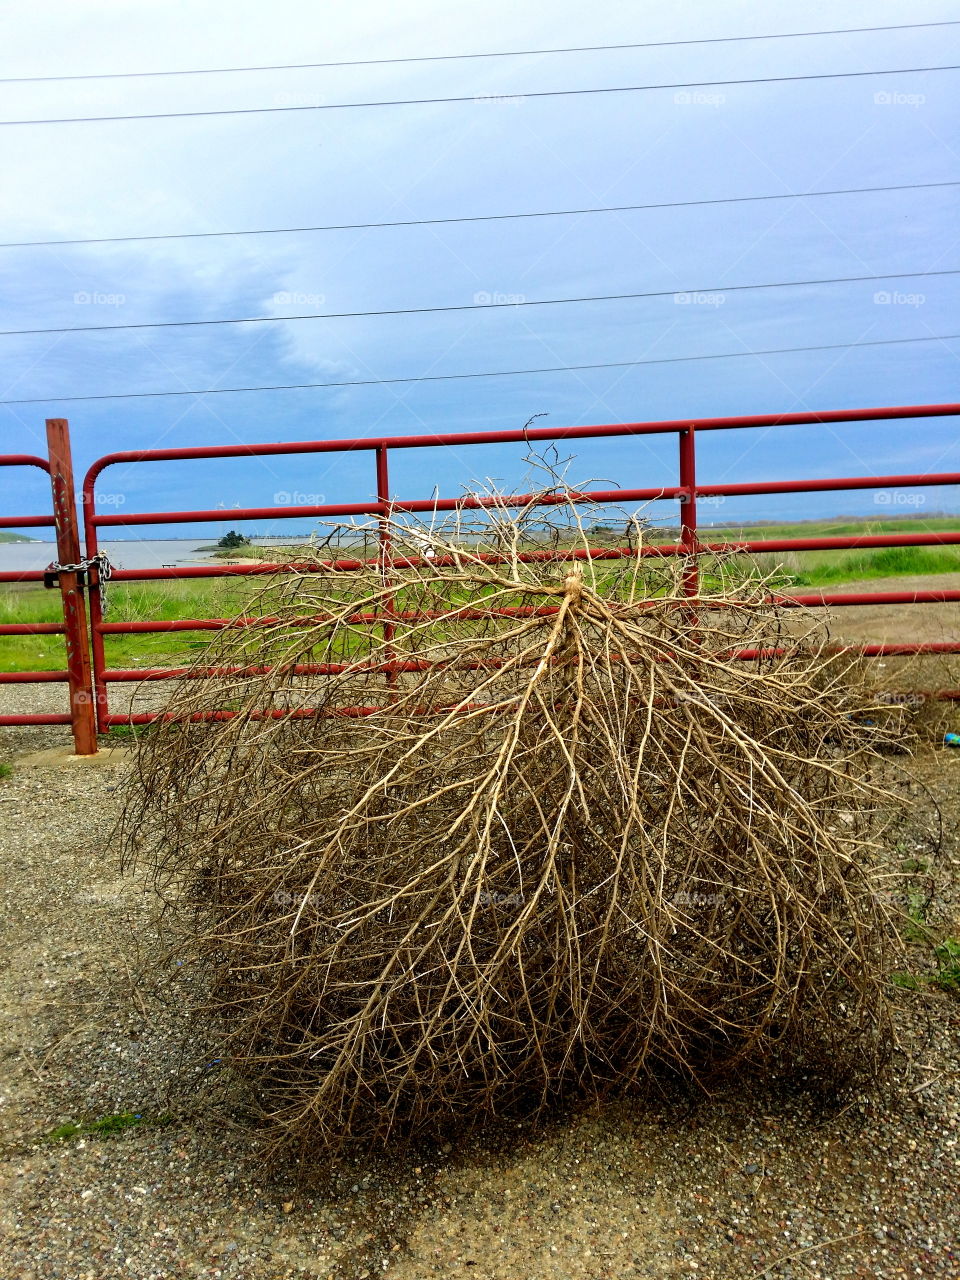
{"points": [[544, 836]]}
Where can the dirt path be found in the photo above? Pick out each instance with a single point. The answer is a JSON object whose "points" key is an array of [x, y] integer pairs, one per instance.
{"points": [[721, 1188], [879, 624]]}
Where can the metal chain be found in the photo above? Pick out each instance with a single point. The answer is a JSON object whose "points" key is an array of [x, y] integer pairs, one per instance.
{"points": [[104, 570], [103, 567]]}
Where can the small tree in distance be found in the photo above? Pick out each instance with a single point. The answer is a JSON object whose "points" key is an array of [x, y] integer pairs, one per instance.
{"points": [[233, 539]]}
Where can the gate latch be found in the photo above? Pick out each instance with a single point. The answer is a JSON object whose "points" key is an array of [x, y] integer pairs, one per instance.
{"points": [[51, 574]]}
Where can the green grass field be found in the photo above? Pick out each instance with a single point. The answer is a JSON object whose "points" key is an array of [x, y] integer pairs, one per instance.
{"points": [[831, 528], [127, 602], [214, 598], [825, 568]]}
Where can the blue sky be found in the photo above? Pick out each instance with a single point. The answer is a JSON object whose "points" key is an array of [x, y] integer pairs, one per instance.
{"points": [[499, 153]]}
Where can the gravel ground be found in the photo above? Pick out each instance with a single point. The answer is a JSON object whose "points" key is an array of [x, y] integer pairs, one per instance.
{"points": [[729, 1188]]}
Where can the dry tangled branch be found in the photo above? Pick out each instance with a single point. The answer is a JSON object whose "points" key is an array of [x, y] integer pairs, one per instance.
{"points": [[541, 835]]}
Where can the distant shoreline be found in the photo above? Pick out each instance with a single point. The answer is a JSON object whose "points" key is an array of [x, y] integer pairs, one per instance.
{"points": [[294, 539]]}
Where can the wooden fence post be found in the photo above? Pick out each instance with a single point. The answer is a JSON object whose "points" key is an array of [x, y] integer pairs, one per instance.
{"points": [[79, 671]]}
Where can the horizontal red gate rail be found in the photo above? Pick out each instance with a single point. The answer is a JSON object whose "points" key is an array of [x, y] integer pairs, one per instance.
{"points": [[686, 492]]}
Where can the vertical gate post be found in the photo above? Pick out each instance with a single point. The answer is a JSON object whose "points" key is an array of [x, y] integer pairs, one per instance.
{"points": [[95, 606], [383, 497], [83, 718], [688, 511]]}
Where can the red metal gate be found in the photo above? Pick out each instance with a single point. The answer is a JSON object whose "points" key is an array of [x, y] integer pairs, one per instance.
{"points": [[686, 492]]}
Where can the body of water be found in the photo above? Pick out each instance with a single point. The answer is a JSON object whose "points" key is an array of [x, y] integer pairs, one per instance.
{"points": [[24, 556]]}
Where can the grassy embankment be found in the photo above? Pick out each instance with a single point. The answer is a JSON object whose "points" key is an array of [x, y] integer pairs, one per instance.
{"points": [[213, 598]]}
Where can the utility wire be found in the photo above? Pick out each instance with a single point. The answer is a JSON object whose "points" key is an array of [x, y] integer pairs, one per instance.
{"points": [[491, 373], [482, 217], [462, 57], [483, 306], [479, 97]]}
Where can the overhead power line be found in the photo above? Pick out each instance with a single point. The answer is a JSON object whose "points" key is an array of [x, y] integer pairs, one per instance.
{"points": [[462, 57], [489, 373], [714, 290], [481, 217], [480, 97]]}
